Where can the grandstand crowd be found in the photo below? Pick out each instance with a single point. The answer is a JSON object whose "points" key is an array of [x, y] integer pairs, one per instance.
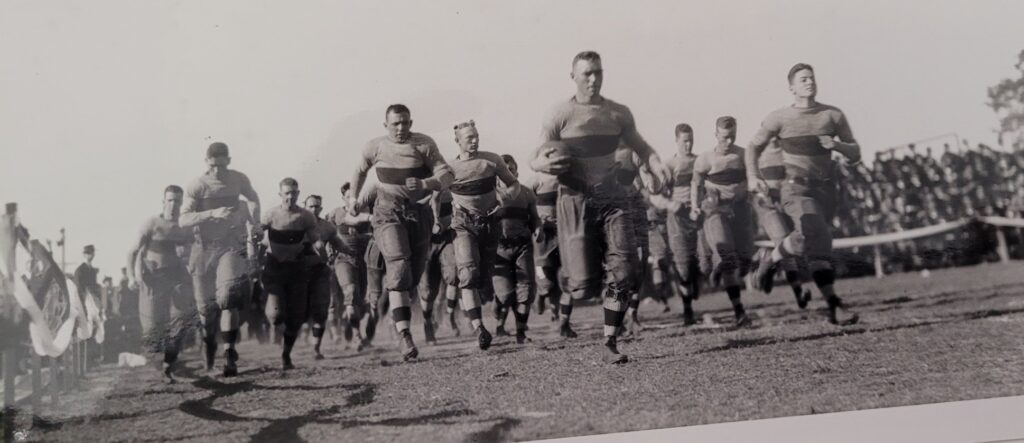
{"points": [[909, 188]]}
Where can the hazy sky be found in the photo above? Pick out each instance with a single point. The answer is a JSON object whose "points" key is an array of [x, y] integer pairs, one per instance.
{"points": [[103, 103]]}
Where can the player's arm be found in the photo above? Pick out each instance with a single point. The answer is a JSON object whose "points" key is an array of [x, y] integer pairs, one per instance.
{"points": [[138, 248], [443, 175], [542, 160], [501, 170], [435, 208], [768, 130], [846, 145], [700, 170], [359, 176], [534, 221], [250, 196], [644, 152], [192, 216]]}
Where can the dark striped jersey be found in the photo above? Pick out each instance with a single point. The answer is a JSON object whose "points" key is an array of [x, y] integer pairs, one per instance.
{"points": [[476, 179], [626, 170], [798, 130], [395, 162], [353, 232], [681, 170], [211, 191], [161, 238], [771, 166], [442, 203], [722, 172], [593, 132], [518, 211], [545, 189], [289, 231]]}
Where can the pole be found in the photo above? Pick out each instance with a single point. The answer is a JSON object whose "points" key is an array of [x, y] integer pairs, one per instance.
{"points": [[879, 270], [37, 383], [10, 369], [63, 253], [55, 381], [1001, 248]]}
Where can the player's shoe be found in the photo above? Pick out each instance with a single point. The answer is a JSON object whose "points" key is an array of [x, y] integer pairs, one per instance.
{"points": [[428, 331], [168, 371], [521, 337], [500, 331], [231, 363], [801, 300], [688, 318], [483, 338], [286, 362], [838, 315], [764, 277], [613, 356], [566, 331], [409, 351]]}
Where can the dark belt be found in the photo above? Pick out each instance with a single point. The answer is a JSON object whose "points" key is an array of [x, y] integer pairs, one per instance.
{"points": [[805, 181], [575, 184]]}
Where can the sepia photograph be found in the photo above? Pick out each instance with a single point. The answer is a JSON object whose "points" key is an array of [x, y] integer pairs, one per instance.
{"points": [[483, 221]]}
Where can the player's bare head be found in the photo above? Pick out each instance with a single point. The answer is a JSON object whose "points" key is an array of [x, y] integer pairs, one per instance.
{"points": [[801, 80], [217, 154], [725, 129], [684, 138], [467, 137], [587, 74], [173, 195], [510, 161], [314, 203], [289, 191], [398, 122]]}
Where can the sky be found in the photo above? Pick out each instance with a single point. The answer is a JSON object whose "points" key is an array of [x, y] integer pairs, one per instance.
{"points": [[104, 103]]}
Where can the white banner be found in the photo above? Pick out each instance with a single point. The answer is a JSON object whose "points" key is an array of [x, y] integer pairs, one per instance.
{"points": [[910, 234]]}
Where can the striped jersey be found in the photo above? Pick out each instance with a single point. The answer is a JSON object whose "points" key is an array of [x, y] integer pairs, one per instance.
{"points": [[395, 162], [681, 174], [476, 179], [161, 238], [518, 213], [288, 231], [545, 189], [593, 132], [798, 130], [214, 190], [722, 172], [771, 166]]}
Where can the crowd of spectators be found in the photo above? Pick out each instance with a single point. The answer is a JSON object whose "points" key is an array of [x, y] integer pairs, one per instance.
{"points": [[906, 188]]}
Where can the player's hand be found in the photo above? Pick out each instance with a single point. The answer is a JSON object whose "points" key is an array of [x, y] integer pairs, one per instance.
{"points": [[133, 284], [757, 186], [659, 173], [550, 163], [827, 142], [695, 213], [221, 213], [437, 229], [413, 184], [350, 311], [353, 207]]}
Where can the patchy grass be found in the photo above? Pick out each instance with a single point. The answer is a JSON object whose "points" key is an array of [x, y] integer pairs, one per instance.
{"points": [[957, 335]]}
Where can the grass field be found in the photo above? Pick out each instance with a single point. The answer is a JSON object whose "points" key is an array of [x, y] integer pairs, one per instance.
{"points": [[956, 335]]}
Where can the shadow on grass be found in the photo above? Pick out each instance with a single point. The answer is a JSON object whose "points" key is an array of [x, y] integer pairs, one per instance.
{"points": [[763, 341]]}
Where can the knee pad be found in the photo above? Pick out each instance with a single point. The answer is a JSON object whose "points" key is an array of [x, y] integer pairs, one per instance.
{"points": [[234, 294], [468, 276], [823, 277]]}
